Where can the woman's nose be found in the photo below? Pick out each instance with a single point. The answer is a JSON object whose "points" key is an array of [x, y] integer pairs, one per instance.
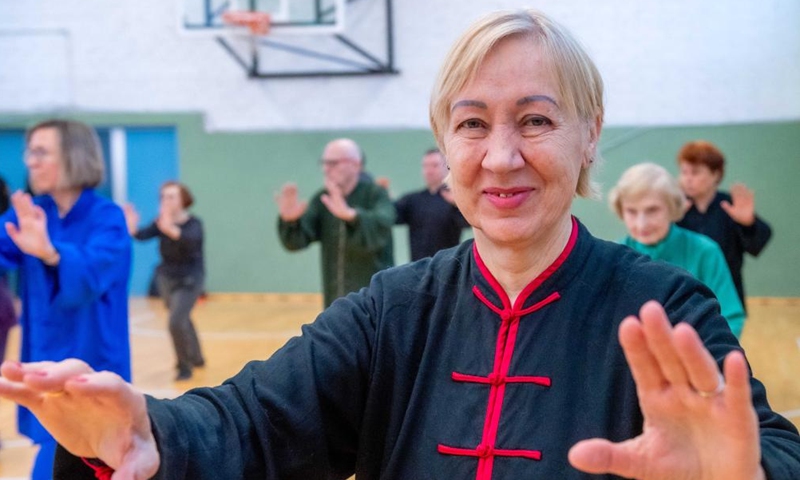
{"points": [[503, 150]]}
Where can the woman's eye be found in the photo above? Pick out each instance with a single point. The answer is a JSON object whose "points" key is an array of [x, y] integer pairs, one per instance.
{"points": [[537, 121], [472, 123]]}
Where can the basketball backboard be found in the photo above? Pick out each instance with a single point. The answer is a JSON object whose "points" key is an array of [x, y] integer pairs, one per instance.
{"points": [[304, 17], [305, 38]]}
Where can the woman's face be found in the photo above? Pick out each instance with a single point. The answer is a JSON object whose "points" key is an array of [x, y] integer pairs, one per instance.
{"points": [[44, 161], [171, 201], [697, 181], [646, 217], [515, 152]]}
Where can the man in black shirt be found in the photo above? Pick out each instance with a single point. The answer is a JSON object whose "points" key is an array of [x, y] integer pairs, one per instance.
{"points": [[434, 222]]}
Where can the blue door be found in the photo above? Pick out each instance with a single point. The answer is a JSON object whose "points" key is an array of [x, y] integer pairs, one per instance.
{"points": [[152, 160], [12, 165]]}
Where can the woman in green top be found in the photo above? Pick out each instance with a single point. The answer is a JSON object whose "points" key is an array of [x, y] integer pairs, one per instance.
{"points": [[649, 200]]}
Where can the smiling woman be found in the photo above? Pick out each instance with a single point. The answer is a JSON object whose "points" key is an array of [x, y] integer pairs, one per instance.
{"points": [[518, 355]]}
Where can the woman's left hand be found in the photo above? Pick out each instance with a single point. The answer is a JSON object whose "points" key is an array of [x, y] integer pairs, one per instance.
{"points": [[697, 424], [30, 234]]}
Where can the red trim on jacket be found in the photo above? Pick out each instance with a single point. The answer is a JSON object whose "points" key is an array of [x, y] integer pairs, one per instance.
{"points": [[510, 317], [101, 470]]}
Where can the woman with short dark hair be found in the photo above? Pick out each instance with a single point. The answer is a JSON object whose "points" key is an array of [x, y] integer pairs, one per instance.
{"points": [[181, 273]]}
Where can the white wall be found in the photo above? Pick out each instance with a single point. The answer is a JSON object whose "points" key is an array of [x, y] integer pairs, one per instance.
{"points": [[664, 62]]}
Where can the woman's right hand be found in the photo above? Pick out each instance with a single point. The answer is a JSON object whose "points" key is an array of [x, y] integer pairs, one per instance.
{"points": [[92, 414], [131, 218]]}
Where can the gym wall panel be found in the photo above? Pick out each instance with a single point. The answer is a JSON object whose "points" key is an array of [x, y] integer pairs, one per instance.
{"points": [[235, 176]]}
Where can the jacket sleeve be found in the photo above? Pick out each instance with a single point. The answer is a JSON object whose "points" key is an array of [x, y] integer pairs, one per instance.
{"points": [[147, 232], [372, 228], [295, 416], [88, 270], [301, 233], [191, 238], [714, 272], [10, 254], [755, 237], [402, 208], [780, 443]]}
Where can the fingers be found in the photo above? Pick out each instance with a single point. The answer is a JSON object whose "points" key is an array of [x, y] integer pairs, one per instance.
{"points": [[698, 363], [598, 456], [22, 203], [740, 190], [737, 392], [13, 232], [50, 376], [658, 334], [644, 366]]}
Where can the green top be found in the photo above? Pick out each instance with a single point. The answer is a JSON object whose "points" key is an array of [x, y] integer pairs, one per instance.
{"points": [[702, 257], [351, 251]]}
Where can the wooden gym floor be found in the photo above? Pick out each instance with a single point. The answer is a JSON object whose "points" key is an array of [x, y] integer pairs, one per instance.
{"points": [[236, 328]]}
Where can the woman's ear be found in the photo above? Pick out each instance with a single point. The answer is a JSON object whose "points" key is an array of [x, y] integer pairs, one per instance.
{"points": [[594, 127]]}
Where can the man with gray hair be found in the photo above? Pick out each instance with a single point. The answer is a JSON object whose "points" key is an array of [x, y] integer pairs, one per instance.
{"points": [[350, 217]]}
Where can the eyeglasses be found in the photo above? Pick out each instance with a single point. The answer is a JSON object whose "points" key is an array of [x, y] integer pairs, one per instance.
{"points": [[36, 153], [332, 162]]}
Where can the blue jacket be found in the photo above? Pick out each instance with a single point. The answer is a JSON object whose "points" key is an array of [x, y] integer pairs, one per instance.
{"points": [[79, 308]]}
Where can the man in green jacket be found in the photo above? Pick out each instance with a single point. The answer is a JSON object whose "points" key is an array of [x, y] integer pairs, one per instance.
{"points": [[351, 217]]}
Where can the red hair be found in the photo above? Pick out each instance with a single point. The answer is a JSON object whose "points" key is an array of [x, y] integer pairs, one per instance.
{"points": [[701, 152]]}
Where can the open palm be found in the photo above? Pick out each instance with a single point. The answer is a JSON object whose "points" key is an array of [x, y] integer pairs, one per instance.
{"points": [[692, 430], [95, 415]]}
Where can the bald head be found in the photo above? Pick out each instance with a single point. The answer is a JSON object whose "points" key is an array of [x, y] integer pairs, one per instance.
{"points": [[341, 163], [343, 149]]}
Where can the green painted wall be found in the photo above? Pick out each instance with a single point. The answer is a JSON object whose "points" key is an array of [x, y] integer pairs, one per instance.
{"points": [[235, 175]]}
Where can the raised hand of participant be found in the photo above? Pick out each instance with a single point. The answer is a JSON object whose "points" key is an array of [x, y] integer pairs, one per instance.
{"points": [[743, 207], [336, 203], [132, 218], [92, 414], [30, 234], [697, 424], [166, 224], [290, 207]]}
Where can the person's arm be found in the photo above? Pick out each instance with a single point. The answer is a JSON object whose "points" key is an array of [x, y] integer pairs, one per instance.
{"points": [[402, 208], [372, 227], [755, 237], [705, 416], [87, 270], [191, 235], [296, 415], [299, 234], [753, 232], [148, 232], [10, 254], [714, 272]]}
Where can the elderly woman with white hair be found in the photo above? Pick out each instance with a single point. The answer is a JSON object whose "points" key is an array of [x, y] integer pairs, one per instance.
{"points": [[649, 201], [516, 355]]}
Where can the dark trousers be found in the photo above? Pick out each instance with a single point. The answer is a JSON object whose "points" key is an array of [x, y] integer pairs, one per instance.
{"points": [[180, 295]]}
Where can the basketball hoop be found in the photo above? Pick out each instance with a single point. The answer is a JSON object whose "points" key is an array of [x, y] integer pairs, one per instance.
{"points": [[258, 23]]}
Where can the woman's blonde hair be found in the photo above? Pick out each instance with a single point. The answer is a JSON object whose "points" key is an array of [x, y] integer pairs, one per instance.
{"points": [[581, 87], [644, 178]]}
